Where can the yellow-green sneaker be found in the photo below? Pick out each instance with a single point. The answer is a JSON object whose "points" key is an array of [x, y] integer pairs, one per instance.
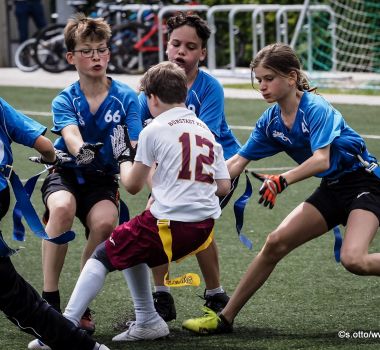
{"points": [[209, 323]]}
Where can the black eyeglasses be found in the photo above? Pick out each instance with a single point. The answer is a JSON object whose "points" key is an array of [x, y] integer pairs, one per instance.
{"points": [[88, 53]]}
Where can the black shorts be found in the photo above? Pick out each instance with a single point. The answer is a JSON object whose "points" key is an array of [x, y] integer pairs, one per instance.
{"points": [[4, 201], [96, 187], [336, 199]]}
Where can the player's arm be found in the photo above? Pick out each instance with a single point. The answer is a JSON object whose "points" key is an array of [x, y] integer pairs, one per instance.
{"points": [[84, 152], [317, 163], [236, 165], [223, 187], [73, 138], [45, 147], [275, 184], [134, 176]]}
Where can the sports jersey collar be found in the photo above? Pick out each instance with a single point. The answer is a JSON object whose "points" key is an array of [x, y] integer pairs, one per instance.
{"points": [[80, 92], [176, 113], [197, 80]]}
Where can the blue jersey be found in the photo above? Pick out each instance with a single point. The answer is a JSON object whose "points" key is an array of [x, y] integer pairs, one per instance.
{"points": [[17, 127], [317, 125], [206, 99], [121, 106]]}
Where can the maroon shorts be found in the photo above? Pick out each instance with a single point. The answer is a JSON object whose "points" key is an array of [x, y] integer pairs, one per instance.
{"points": [[137, 241]]}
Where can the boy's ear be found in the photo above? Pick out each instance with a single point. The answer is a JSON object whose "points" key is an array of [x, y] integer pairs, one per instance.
{"points": [[70, 57], [203, 54], [155, 99]]}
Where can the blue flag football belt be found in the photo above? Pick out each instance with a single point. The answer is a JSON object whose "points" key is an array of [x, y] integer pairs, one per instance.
{"points": [[24, 207], [241, 202], [239, 207]]}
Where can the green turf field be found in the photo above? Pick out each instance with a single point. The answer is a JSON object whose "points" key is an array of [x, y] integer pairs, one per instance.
{"points": [[306, 302]]}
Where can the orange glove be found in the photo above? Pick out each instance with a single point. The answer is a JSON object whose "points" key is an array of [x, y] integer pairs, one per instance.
{"points": [[272, 185]]}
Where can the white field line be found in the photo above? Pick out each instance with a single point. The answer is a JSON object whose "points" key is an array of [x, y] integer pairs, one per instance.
{"points": [[236, 127], [241, 127]]}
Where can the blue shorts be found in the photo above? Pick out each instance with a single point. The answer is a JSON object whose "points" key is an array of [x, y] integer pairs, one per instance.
{"points": [[336, 199]]}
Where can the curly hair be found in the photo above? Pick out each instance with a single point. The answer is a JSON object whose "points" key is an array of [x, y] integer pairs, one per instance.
{"points": [[191, 20]]}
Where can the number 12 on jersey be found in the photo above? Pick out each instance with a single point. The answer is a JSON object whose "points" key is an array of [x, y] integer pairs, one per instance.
{"points": [[186, 173]]}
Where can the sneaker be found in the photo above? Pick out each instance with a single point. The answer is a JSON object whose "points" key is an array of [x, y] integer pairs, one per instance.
{"points": [[216, 302], [86, 323], [164, 305], [38, 344], [136, 332], [209, 323]]}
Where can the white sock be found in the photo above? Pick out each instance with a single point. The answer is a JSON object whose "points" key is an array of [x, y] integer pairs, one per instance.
{"points": [[89, 284], [162, 289], [214, 291], [138, 280]]}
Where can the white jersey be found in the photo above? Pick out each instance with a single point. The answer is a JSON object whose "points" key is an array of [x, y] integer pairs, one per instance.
{"points": [[189, 161]]}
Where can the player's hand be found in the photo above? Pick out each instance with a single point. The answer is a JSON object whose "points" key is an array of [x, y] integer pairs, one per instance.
{"points": [[60, 158], [272, 185], [87, 153], [122, 148]]}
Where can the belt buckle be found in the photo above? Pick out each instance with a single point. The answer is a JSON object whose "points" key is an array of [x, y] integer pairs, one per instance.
{"points": [[163, 222]]}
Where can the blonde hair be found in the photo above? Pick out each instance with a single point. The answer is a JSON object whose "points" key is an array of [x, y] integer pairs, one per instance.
{"points": [[81, 28], [167, 81], [281, 59]]}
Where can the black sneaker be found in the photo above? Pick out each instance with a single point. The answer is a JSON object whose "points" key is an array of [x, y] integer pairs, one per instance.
{"points": [[87, 323], [216, 302], [164, 305]]}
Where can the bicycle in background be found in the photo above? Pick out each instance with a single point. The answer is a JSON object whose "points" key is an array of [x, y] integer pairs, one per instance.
{"points": [[46, 48], [134, 44]]}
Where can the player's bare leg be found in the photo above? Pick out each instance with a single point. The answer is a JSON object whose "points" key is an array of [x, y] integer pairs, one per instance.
{"points": [[101, 220], [62, 207], [303, 224], [361, 228], [209, 265]]}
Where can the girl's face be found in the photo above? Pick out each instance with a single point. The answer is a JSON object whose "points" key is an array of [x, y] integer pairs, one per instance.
{"points": [[274, 87], [90, 57], [185, 48]]}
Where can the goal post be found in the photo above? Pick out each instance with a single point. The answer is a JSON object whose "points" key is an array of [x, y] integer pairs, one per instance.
{"points": [[357, 36]]}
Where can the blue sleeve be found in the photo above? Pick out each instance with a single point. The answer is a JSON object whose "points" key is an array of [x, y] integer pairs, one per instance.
{"points": [[144, 110], [133, 121], [63, 113], [20, 128], [212, 107], [259, 145], [324, 125]]}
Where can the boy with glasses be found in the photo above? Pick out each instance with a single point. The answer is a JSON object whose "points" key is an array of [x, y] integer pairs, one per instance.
{"points": [[84, 115]]}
